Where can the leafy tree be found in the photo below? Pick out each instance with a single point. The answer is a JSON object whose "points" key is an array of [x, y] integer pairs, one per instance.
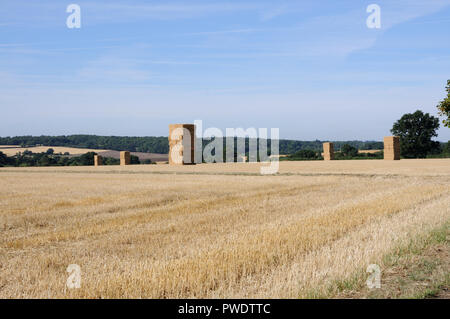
{"points": [[444, 107], [111, 161], [134, 160], [416, 131], [3, 159], [446, 148], [50, 151], [87, 159], [305, 154], [63, 161], [348, 150], [44, 161]]}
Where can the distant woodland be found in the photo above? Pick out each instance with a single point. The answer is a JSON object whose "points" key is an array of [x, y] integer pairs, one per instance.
{"points": [[294, 150], [151, 144]]}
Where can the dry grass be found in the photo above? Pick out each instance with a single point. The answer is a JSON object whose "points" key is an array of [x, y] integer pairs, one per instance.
{"points": [[420, 269], [363, 168], [212, 230]]}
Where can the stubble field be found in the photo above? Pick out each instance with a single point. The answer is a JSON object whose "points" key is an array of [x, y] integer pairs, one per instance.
{"points": [[211, 230]]}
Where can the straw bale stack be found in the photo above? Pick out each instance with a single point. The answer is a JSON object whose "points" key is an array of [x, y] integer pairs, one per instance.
{"points": [[182, 144], [392, 148], [328, 151], [98, 160], [125, 158]]}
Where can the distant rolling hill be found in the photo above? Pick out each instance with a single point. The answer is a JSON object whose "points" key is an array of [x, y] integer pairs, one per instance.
{"points": [[160, 144]]}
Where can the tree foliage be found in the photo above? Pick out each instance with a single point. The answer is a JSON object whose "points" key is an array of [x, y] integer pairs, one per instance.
{"points": [[28, 158], [348, 150], [444, 107], [416, 131], [3, 159], [305, 155]]}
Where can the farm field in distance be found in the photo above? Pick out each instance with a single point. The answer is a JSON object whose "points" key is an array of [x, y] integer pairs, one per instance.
{"points": [[10, 150], [214, 230]]}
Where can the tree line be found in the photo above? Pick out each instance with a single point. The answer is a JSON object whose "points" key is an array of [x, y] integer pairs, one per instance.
{"points": [[48, 158], [152, 144], [409, 125]]}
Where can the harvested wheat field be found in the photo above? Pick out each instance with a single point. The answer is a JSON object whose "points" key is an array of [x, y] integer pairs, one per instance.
{"points": [[211, 230]]}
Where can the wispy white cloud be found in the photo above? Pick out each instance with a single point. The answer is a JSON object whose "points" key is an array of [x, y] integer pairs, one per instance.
{"points": [[47, 13], [401, 11], [166, 11], [218, 32], [274, 12], [112, 69]]}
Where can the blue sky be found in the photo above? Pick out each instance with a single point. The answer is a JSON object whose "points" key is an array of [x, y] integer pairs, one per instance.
{"points": [[311, 68]]}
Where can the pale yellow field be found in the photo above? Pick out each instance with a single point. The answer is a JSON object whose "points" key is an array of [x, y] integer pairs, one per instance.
{"points": [[210, 230], [39, 149]]}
